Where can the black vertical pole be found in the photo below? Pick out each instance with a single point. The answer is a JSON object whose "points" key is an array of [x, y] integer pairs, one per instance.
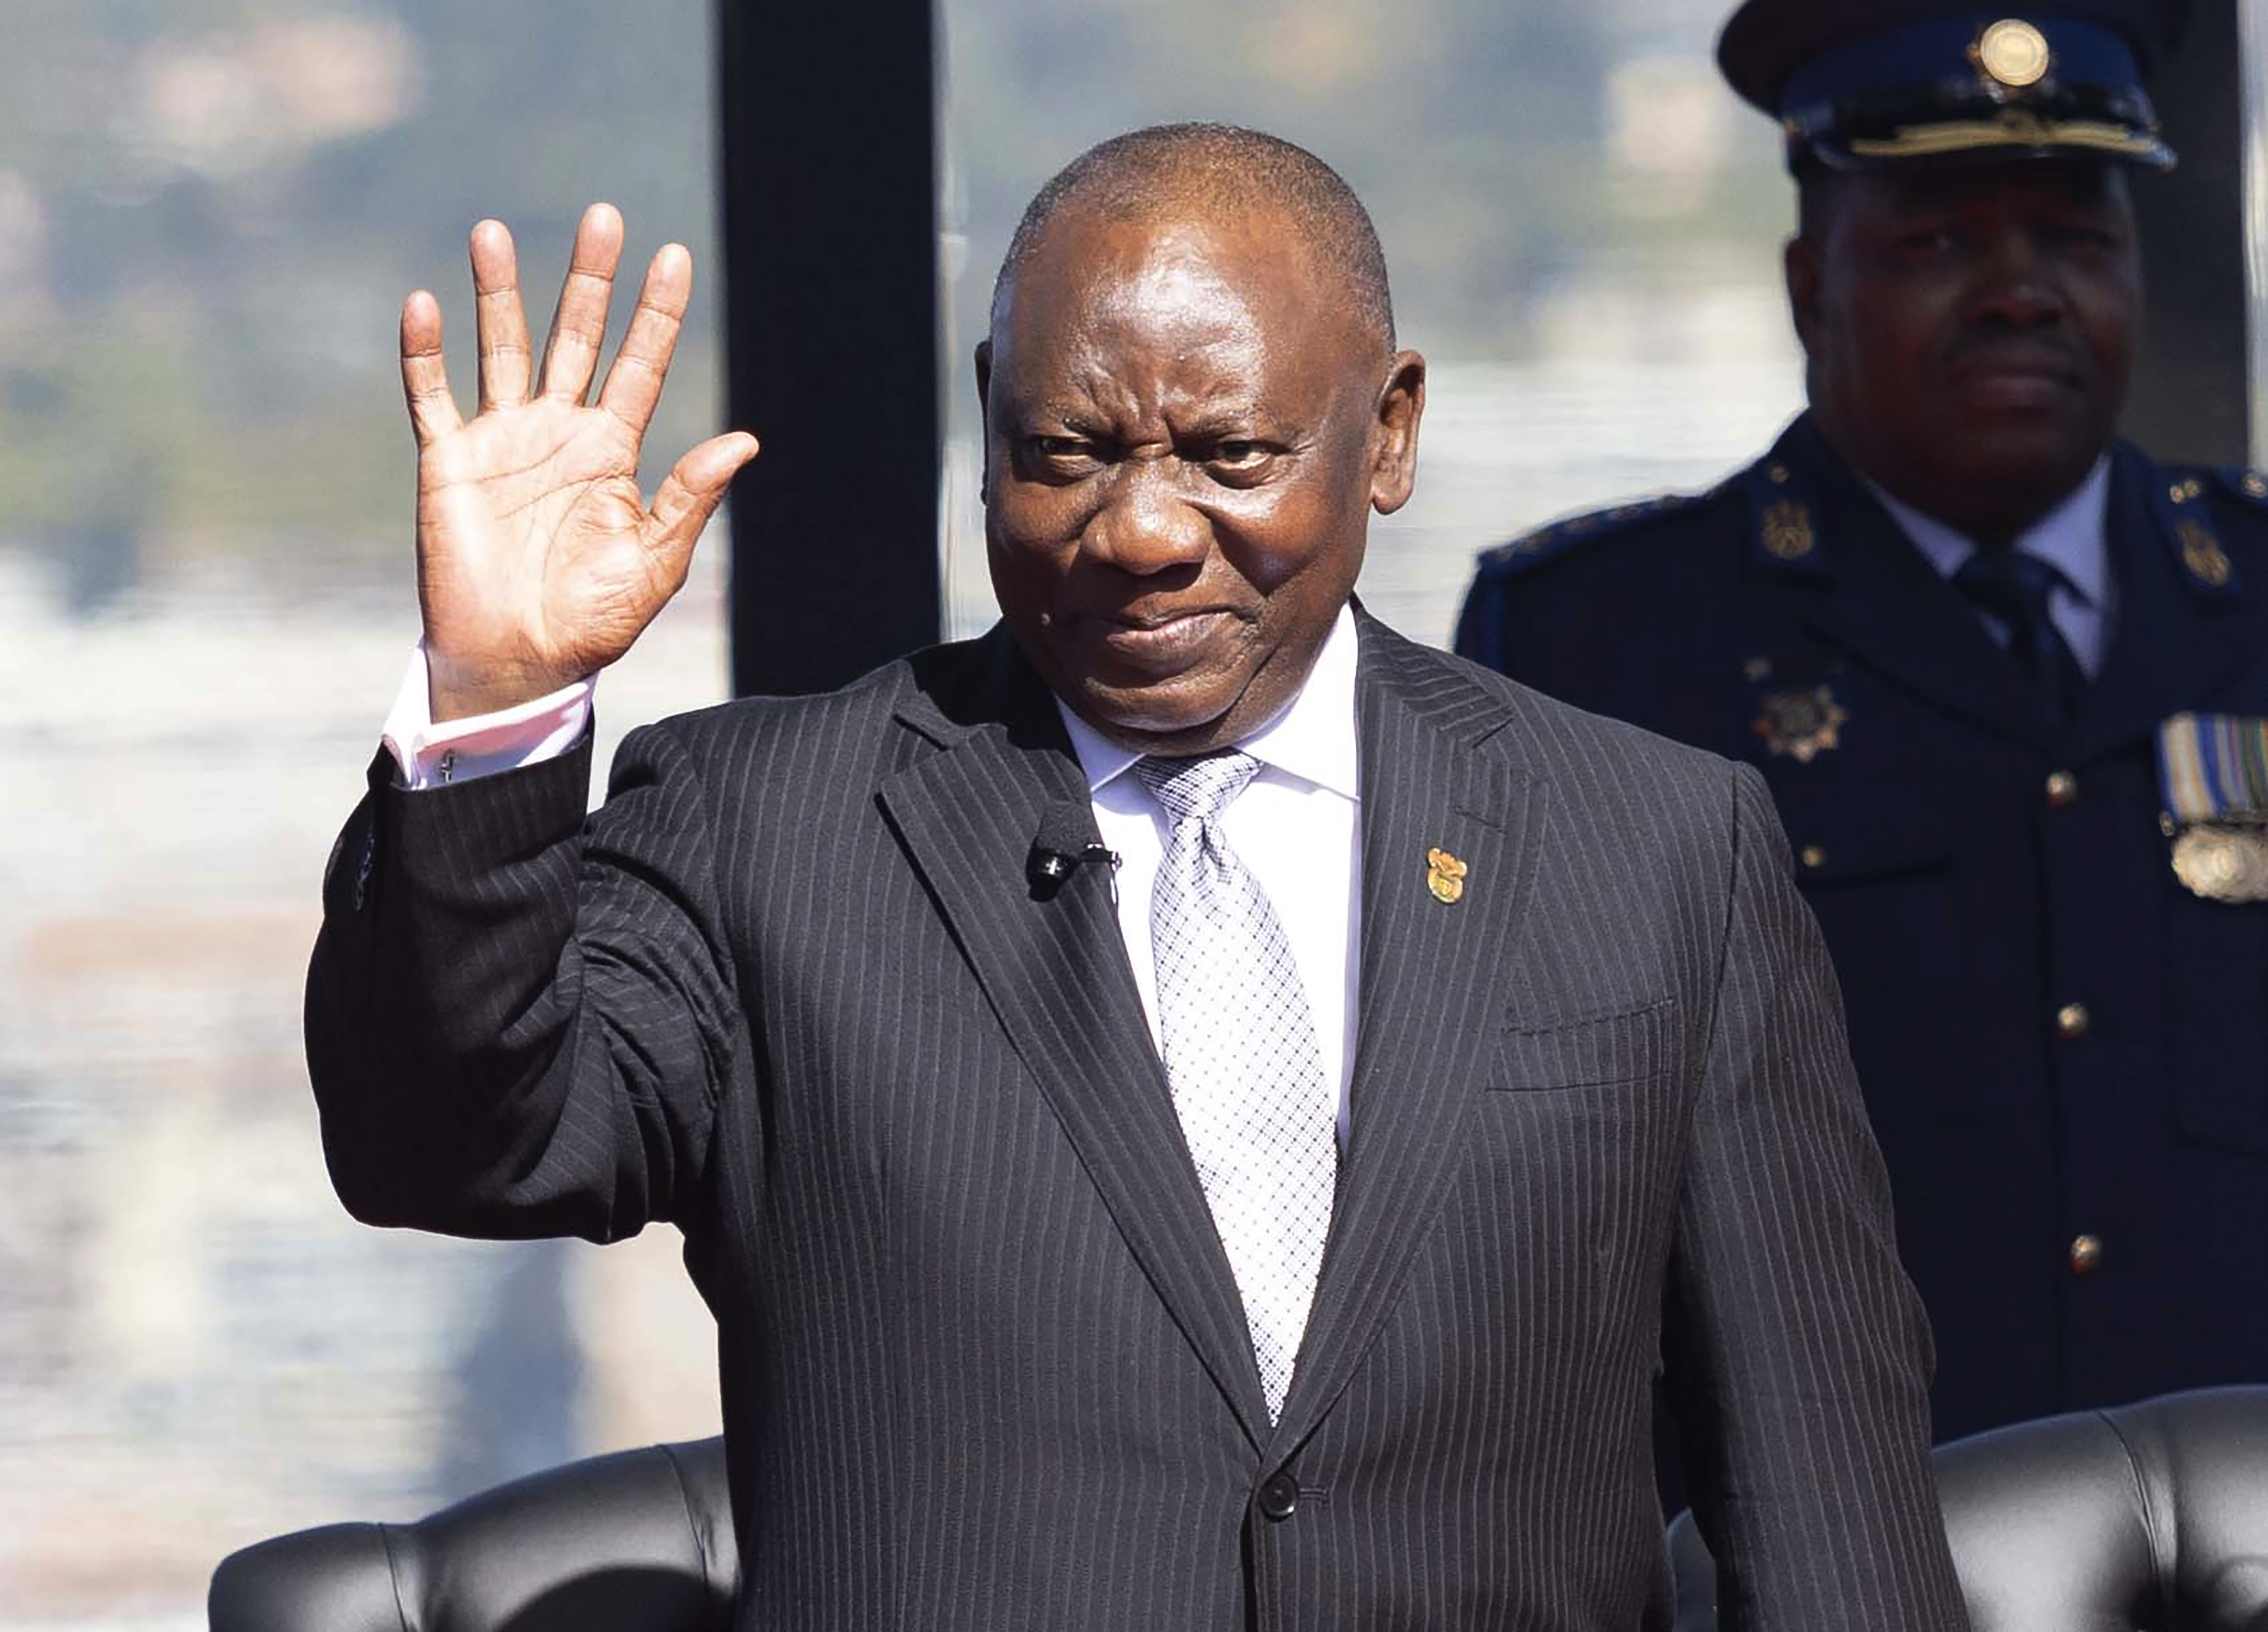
{"points": [[829, 232], [2191, 399]]}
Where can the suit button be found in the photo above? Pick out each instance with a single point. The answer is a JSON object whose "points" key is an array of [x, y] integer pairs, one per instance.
{"points": [[2063, 790], [2072, 1022], [1279, 1497], [2086, 1255]]}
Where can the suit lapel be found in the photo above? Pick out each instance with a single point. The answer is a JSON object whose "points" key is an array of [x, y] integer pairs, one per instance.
{"points": [[1054, 969], [1887, 606], [2176, 636], [1427, 968]]}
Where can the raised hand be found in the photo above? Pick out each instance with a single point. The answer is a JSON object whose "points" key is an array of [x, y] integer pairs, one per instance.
{"points": [[538, 560]]}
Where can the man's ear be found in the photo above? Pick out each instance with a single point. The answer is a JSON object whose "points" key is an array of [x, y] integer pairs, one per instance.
{"points": [[1802, 266], [1401, 405], [984, 421]]}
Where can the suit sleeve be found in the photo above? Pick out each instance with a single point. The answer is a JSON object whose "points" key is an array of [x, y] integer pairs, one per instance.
{"points": [[518, 1021], [1797, 1352]]}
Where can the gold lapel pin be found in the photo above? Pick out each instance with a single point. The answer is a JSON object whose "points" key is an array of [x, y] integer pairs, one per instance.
{"points": [[1445, 877]]}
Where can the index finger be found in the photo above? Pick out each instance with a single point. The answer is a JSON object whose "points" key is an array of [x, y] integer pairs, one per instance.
{"points": [[634, 383]]}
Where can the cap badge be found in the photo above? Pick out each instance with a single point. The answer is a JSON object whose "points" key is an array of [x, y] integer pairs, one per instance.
{"points": [[2012, 54], [1445, 877]]}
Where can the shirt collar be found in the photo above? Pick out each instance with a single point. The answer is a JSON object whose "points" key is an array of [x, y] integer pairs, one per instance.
{"points": [[2073, 536], [1311, 738]]}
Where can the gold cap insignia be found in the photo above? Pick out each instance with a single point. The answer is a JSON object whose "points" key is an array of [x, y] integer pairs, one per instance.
{"points": [[2202, 554], [2014, 54], [1445, 877], [1802, 724], [1788, 530]]}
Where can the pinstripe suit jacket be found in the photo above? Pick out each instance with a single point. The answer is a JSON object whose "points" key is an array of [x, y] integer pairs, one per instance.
{"points": [[983, 1364]]}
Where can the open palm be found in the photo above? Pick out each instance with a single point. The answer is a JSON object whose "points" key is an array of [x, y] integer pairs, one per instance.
{"points": [[539, 562]]}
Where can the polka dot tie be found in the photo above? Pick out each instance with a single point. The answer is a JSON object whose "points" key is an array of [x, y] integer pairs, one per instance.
{"points": [[1242, 1060]]}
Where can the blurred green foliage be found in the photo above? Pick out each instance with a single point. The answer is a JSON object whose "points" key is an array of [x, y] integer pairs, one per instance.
{"points": [[1477, 132], [198, 319], [210, 210]]}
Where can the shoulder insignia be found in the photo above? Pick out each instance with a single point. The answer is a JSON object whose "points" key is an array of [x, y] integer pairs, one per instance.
{"points": [[2249, 485], [1558, 537], [1782, 519], [2188, 524]]}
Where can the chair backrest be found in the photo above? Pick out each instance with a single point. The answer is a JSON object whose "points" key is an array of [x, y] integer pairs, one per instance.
{"points": [[637, 1541], [2152, 1517]]}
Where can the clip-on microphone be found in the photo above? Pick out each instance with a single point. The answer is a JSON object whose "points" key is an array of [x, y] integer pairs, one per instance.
{"points": [[1065, 843]]}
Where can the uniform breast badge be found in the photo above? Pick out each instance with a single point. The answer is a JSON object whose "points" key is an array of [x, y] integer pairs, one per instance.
{"points": [[2213, 773], [1445, 877], [1800, 724]]}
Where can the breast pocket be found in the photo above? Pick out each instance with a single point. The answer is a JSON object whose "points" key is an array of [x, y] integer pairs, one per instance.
{"points": [[1847, 836], [2216, 1023], [1632, 1044]]}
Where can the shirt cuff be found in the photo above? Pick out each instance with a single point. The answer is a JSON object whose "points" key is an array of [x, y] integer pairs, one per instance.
{"points": [[427, 754]]}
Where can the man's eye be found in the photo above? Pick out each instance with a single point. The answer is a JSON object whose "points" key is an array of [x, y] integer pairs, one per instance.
{"points": [[1237, 452], [1061, 447]]}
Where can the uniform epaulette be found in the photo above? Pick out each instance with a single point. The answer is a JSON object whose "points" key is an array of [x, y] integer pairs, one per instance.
{"points": [[1558, 537], [2189, 528], [2249, 485]]}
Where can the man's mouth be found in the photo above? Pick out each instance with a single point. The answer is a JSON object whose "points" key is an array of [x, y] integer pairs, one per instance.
{"points": [[1158, 642], [2017, 376]]}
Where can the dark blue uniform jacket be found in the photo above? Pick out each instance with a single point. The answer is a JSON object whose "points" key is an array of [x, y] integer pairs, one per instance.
{"points": [[2064, 1050]]}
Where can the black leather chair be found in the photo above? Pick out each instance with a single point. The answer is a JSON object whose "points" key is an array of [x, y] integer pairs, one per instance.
{"points": [[638, 1541], [2152, 1517]]}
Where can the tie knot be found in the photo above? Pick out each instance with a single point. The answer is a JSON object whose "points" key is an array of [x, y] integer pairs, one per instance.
{"points": [[1200, 788], [2010, 584]]}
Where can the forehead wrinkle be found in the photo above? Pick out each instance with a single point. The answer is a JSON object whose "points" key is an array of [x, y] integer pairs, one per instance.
{"points": [[1183, 398]]}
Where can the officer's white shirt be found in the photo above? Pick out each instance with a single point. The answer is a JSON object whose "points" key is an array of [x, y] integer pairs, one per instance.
{"points": [[1295, 825], [2074, 537]]}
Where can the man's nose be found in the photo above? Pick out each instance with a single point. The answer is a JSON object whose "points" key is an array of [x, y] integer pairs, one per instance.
{"points": [[2016, 283], [1146, 524]]}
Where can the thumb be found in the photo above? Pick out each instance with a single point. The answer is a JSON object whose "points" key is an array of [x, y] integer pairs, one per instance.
{"points": [[694, 487]]}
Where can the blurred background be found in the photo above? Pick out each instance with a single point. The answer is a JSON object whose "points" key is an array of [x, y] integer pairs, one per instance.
{"points": [[210, 211]]}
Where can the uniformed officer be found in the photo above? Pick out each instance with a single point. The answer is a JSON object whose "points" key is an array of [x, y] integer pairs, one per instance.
{"points": [[2008, 677]]}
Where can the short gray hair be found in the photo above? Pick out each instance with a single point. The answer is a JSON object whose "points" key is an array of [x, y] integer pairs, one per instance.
{"points": [[1223, 169]]}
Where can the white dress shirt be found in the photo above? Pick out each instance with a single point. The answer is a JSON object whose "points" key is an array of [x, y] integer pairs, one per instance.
{"points": [[427, 754], [2074, 537], [1295, 825]]}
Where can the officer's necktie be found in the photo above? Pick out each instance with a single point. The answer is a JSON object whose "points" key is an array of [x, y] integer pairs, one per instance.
{"points": [[1241, 1055], [2015, 587]]}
